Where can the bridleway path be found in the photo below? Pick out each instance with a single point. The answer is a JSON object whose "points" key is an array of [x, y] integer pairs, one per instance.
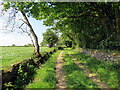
{"points": [[61, 83], [92, 76]]}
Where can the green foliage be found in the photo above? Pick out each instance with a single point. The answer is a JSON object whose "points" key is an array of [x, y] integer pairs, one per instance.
{"points": [[108, 72], [109, 44], [50, 38], [13, 45], [24, 77], [74, 20], [87, 25], [28, 45], [43, 43], [68, 43], [64, 40], [8, 85], [45, 76], [75, 76]]}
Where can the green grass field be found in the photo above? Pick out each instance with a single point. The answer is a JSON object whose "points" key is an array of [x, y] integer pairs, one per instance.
{"points": [[12, 55]]}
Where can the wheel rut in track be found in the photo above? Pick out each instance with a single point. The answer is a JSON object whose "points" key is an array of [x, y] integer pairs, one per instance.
{"points": [[92, 76], [61, 83]]}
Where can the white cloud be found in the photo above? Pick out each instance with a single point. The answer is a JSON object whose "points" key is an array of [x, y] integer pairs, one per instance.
{"points": [[1, 23], [10, 38], [13, 38]]}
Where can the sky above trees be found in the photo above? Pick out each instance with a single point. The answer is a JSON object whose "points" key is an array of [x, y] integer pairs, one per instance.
{"points": [[8, 38], [74, 20]]}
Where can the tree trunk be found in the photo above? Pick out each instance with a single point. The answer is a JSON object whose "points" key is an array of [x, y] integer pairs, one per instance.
{"points": [[31, 40], [77, 41], [117, 13], [36, 49], [106, 30]]}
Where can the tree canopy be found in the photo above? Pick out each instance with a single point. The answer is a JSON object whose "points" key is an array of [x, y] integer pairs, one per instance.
{"points": [[86, 24], [50, 38]]}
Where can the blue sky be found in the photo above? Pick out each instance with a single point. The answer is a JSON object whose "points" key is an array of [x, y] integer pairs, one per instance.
{"points": [[8, 38]]}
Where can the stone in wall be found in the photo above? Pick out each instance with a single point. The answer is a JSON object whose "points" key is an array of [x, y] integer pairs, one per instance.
{"points": [[101, 55]]}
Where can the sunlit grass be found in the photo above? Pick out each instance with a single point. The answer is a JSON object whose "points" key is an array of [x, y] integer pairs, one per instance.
{"points": [[45, 77], [106, 71], [75, 76], [12, 55]]}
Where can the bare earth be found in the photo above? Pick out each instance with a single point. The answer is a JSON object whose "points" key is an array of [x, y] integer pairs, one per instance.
{"points": [[61, 83]]}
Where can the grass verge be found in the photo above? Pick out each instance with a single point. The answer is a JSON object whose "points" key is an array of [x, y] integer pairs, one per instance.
{"points": [[106, 71], [75, 76], [45, 77]]}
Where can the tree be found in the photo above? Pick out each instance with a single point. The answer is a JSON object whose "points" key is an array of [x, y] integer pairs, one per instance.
{"points": [[32, 32], [88, 25], [13, 45], [28, 45], [23, 8], [84, 23], [64, 40], [50, 38]]}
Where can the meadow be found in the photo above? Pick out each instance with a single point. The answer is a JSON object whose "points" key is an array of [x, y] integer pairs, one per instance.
{"points": [[12, 55]]}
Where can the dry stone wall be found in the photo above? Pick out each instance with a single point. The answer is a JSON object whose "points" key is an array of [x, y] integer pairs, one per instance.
{"points": [[102, 55], [13, 73]]}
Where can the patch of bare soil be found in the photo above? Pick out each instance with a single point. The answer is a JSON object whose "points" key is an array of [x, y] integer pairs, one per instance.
{"points": [[61, 83]]}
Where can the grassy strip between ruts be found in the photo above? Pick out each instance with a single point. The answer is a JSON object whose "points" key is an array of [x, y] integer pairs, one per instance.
{"points": [[45, 77], [104, 70], [75, 76]]}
